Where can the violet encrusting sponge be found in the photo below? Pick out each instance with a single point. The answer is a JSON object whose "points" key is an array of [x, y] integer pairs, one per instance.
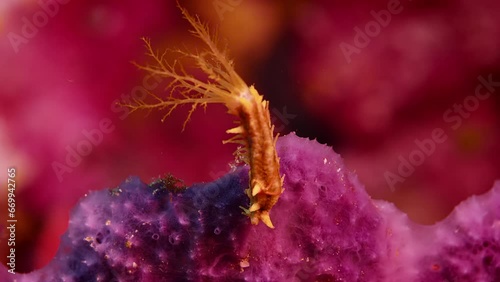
{"points": [[327, 229], [139, 232]]}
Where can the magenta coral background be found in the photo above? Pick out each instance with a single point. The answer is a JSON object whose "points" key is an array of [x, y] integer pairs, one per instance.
{"points": [[64, 81]]}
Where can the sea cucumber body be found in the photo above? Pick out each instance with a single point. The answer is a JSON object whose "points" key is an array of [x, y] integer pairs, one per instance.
{"points": [[257, 133]]}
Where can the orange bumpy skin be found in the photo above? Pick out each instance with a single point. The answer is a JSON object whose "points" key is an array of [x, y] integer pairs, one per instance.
{"points": [[224, 85]]}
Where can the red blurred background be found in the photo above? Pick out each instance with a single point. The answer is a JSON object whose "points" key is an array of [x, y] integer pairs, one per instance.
{"points": [[64, 64]]}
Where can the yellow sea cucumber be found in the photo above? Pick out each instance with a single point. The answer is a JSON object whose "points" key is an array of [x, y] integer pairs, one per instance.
{"points": [[223, 85]]}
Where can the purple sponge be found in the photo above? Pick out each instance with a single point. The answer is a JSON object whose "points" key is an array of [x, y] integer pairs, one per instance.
{"points": [[327, 229]]}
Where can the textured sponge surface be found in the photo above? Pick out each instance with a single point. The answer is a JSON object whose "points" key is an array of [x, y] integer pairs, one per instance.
{"points": [[327, 229]]}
